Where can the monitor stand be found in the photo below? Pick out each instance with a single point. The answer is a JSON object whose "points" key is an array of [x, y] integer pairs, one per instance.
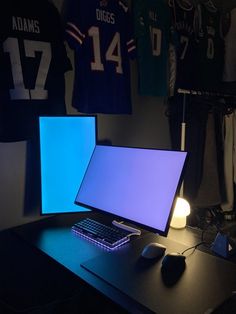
{"points": [[134, 231]]}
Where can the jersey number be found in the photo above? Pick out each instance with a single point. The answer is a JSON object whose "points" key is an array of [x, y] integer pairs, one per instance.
{"points": [[19, 91], [156, 41], [210, 49], [113, 52], [185, 41]]}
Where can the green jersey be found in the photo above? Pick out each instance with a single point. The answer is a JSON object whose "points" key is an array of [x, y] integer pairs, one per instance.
{"points": [[152, 28]]}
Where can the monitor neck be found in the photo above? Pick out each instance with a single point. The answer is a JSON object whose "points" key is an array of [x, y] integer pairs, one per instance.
{"points": [[121, 225]]}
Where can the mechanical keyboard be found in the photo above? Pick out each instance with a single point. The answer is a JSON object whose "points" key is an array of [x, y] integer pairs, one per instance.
{"points": [[109, 237]]}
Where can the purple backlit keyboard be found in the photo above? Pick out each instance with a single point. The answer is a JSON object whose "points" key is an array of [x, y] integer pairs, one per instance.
{"points": [[109, 237]]}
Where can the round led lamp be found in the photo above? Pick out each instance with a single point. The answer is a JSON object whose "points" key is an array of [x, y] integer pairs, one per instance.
{"points": [[181, 211]]}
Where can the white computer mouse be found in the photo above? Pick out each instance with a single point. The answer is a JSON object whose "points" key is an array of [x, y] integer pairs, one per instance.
{"points": [[153, 250]]}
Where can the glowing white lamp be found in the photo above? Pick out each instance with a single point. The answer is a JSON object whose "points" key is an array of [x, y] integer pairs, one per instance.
{"points": [[181, 211]]}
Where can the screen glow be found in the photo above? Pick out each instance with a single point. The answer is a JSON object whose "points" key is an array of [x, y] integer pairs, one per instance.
{"points": [[136, 184], [66, 146]]}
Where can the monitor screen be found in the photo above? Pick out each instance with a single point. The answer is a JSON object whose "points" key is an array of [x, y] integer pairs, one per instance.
{"points": [[135, 184], [66, 146]]}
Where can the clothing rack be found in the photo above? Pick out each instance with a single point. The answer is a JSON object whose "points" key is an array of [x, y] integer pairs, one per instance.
{"points": [[203, 93], [186, 92]]}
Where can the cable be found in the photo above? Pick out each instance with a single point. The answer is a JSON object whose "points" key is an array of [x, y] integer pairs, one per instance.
{"points": [[194, 247], [202, 242], [213, 223]]}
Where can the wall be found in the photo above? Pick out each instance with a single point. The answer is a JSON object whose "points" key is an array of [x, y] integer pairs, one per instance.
{"points": [[19, 173]]}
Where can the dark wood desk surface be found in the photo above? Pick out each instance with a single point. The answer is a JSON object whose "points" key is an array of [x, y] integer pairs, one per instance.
{"points": [[206, 283]]}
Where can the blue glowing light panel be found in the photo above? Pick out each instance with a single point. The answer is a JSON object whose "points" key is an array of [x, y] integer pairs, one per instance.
{"points": [[66, 146], [136, 184]]}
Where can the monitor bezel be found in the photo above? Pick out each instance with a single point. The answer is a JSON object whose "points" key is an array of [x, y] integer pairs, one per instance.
{"points": [[41, 212], [132, 222]]}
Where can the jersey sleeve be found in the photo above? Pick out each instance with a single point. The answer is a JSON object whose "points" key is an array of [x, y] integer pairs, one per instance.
{"points": [[131, 45], [73, 23], [61, 53], [130, 38]]}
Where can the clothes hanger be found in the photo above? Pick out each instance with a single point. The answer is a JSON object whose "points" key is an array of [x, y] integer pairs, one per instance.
{"points": [[185, 4], [209, 4]]}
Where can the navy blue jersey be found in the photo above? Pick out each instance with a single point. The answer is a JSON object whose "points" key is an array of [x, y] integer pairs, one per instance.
{"points": [[210, 49], [33, 61], [184, 18], [100, 33], [152, 28]]}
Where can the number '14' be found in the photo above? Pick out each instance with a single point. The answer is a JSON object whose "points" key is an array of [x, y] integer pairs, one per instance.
{"points": [[113, 52]]}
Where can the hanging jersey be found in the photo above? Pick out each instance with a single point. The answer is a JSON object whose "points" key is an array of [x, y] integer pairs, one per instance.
{"points": [[33, 61], [152, 27], [99, 31], [183, 16], [230, 50], [210, 49]]}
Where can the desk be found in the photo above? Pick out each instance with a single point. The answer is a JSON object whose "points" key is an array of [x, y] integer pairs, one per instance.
{"points": [[207, 281]]}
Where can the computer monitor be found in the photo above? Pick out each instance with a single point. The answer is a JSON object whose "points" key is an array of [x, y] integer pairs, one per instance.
{"points": [[138, 185], [66, 146]]}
